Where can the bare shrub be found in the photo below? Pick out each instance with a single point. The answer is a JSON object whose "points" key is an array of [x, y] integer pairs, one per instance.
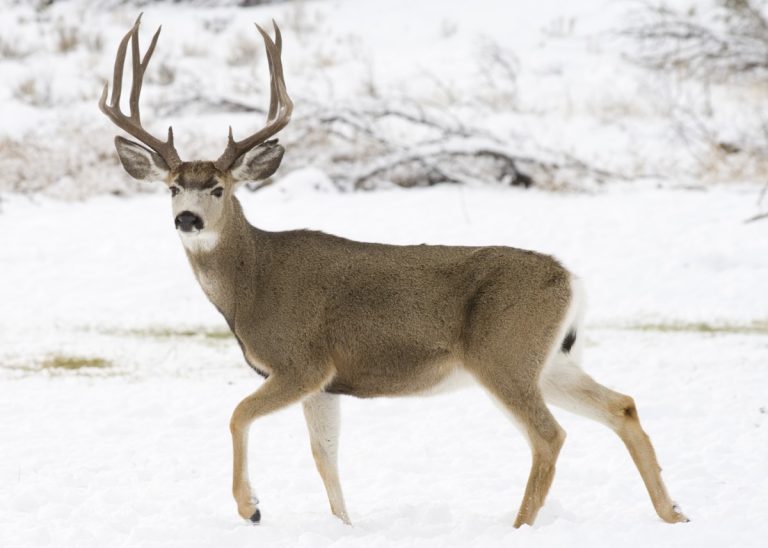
{"points": [[65, 172], [499, 68], [374, 143], [216, 25], [194, 49], [67, 38], [94, 42], [725, 42], [721, 49], [300, 20], [164, 75], [33, 91], [11, 49], [70, 37], [243, 51]]}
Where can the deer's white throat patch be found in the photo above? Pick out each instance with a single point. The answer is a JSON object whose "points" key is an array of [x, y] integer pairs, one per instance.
{"points": [[199, 240]]}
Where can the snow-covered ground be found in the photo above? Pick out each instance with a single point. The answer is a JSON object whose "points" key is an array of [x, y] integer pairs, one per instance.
{"points": [[117, 377], [136, 451]]}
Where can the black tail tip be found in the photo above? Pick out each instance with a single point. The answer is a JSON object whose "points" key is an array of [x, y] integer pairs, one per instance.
{"points": [[568, 342]]}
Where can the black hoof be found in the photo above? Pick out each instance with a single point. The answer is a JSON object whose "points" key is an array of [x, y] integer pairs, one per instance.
{"points": [[256, 517]]}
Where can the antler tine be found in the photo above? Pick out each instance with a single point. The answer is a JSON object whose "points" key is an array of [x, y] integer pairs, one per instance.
{"points": [[136, 79], [272, 83], [139, 66], [117, 76], [276, 72], [280, 105], [132, 122]]}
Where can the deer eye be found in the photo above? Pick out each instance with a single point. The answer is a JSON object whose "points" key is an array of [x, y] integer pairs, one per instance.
{"points": [[218, 191], [175, 190]]}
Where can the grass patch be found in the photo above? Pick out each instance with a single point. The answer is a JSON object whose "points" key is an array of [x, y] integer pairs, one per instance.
{"points": [[61, 364], [757, 327], [73, 363], [173, 333]]}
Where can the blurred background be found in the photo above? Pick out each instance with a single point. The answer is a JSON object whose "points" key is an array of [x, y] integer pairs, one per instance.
{"points": [[627, 138], [556, 95]]}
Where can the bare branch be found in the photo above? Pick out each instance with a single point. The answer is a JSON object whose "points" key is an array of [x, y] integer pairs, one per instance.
{"points": [[758, 217], [730, 41]]}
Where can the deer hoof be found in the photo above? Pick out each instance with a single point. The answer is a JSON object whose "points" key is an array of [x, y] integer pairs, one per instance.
{"points": [[679, 517]]}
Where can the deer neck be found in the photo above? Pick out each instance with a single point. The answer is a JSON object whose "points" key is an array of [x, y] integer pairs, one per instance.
{"points": [[237, 254]]}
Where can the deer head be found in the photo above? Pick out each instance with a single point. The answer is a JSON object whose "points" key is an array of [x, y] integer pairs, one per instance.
{"points": [[201, 190]]}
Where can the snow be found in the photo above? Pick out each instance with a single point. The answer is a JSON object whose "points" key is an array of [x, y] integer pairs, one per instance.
{"points": [[547, 80], [134, 450], [138, 453]]}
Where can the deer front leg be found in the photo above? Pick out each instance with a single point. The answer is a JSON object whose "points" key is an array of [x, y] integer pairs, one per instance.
{"points": [[278, 391], [322, 414]]}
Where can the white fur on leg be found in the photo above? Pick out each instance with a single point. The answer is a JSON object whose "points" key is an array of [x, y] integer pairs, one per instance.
{"points": [[564, 384], [321, 411]]}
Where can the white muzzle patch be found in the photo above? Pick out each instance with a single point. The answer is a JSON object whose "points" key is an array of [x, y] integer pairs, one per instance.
{"points": [[199, 240]]}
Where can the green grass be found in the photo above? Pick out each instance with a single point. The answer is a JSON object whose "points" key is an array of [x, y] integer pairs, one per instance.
{"points": [[757, 327]]}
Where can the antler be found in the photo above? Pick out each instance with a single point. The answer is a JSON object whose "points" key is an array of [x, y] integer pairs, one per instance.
{"points": [[132, 124], [280, 105]]}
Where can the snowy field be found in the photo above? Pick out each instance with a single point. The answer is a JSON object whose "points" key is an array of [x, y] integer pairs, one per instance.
{"points": [[135, 450], [118, 377]]}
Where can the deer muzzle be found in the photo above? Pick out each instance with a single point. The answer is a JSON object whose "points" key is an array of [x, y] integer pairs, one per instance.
{"points": [[186, 221]]}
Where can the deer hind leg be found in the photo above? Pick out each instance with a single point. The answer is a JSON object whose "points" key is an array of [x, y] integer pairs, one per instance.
{"points": [[277, 392], [321, 411], [565, 385], [545, 437]]}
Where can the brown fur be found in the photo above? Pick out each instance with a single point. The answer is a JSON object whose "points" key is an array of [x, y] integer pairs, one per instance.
{"points": [[198, 175], [319, 313], [381, 318]]}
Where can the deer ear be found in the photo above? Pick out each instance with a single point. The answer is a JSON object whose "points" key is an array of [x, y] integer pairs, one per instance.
{"points": [[258, 163], [140, 162]]}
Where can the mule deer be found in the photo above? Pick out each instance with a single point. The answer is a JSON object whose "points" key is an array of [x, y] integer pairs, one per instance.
{"points": [[319, 316]]}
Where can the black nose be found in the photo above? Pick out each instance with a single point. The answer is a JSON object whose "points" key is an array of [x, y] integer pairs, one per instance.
{"points": [[186, 221]]}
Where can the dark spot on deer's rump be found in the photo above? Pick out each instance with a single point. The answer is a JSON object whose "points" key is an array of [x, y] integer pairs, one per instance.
{"points": [[568, 342]]}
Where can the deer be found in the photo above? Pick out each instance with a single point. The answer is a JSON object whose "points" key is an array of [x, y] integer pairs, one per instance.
{"points": [[320, 316]]}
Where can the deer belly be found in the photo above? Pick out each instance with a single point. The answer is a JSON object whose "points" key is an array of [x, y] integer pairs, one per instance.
{"points": [[426, 379]]}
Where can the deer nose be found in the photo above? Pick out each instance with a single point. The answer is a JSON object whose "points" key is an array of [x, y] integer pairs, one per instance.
{"points": [[186, 221]]}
